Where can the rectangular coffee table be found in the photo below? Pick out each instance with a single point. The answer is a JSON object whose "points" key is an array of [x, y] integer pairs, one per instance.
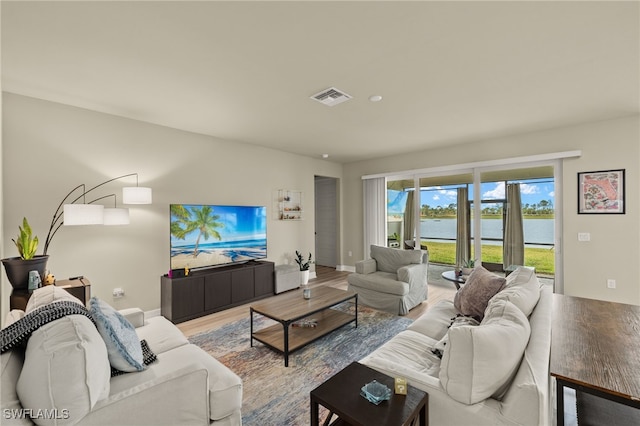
{"points": [[341, 396], [291, 307]]}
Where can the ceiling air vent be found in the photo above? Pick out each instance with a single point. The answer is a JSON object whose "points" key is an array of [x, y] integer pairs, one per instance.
{"points": [[331, 97]]}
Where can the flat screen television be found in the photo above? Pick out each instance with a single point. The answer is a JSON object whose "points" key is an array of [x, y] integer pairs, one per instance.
{"points": [[204, 235]]}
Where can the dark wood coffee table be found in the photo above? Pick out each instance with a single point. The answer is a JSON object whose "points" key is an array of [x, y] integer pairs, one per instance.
{"points": [[341, 396], [290, 307]]}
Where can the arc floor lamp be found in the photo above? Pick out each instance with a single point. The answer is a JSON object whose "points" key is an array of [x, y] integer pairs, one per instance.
{"points": [[80, 212]]}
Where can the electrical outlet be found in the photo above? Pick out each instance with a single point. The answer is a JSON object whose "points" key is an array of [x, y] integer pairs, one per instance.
{"points": [[118, 292], [584, 236], [350, 253], [611, 283]]}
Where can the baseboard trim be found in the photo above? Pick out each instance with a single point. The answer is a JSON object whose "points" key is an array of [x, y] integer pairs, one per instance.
{"points": [[152, 313]]}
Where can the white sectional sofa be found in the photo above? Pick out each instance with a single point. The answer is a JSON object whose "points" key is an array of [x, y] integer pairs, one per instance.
{"points": [[64, 378], [492, 373]]}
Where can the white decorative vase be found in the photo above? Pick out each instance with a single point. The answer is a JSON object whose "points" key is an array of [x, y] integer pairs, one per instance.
{"points": [[304, 277]]}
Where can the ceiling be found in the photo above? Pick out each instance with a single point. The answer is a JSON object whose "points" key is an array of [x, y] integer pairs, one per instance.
{"points": [[449, 72]]}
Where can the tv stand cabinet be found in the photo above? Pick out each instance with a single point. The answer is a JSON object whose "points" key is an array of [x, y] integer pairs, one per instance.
{"points": [[212, 290]]}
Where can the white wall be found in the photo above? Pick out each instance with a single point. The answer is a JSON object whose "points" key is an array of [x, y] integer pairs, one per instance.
{"points": [[614, 249], [50, 148]]}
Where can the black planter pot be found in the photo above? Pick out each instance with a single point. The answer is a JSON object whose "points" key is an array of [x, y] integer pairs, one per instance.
{"points": [[18, 269]]}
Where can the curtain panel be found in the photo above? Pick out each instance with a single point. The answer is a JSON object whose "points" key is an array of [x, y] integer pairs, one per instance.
{"points": [[463, 227], [513, 247], [408, 219], [375, 220]]}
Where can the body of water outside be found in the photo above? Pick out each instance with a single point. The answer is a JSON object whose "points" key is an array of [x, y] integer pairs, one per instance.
{"points": [[537, 232]]}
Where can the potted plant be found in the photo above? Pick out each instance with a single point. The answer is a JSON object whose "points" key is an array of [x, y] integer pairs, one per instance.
{"points": [[304, 267], [467, 266], [17, 268]]}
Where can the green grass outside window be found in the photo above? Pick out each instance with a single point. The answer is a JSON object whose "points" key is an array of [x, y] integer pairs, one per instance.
{"points": [[540, 258]]}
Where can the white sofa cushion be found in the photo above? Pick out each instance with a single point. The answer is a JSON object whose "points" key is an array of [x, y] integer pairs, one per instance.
{"points": [[10, 365], [382, 282], [225, 387], [13, 316], [410, 349], [435, 322], [479, 361], [161, 335], [123, 344], [48, 294], [522, 289], [65, 368], [457, 322]]}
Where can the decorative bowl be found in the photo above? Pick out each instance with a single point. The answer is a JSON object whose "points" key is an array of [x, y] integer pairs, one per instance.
{"points": [[375, 392]]}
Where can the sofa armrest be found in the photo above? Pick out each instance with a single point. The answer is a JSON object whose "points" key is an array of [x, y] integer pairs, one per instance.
{"points": [[367, 266], [413, 274], [178, 395], [443, 410], [134, 315]]}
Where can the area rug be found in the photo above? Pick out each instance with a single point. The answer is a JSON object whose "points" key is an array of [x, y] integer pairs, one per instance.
{"points": [[279, 395]]}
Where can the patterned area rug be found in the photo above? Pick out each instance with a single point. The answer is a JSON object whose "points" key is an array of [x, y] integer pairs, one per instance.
{"points": [[279, 395]]}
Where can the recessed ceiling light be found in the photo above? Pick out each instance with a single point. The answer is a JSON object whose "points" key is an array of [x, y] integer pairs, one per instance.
{"points": [[375, 98], [325, 155]]}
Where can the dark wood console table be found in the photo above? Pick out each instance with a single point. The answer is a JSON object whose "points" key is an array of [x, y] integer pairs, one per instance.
{"points": [[211, 290], [594, 349]]}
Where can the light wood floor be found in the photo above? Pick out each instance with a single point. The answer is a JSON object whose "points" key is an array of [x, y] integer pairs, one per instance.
{"points": [[326, 276]]}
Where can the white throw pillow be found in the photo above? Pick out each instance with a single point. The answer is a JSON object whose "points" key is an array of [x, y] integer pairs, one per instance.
{"points": [[48, 294], [457, 322], [480, 361], [123, 344], [13, 316], [522, 289], [65, 369]]}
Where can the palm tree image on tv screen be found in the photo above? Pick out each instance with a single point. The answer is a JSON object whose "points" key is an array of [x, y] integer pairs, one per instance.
{"points": [[212, 235]]}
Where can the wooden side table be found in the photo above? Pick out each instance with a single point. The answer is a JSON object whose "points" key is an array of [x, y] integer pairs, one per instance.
{"points": [[341, 396], [80, 288]]}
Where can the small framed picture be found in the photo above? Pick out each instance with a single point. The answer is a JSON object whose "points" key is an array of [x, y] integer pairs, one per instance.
{"points": [[601, 192]]}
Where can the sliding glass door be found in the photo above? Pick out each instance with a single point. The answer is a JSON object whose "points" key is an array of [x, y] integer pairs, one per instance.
{"points": [[515, 217]]}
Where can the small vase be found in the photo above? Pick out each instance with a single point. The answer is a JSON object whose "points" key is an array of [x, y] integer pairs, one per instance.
{"points": [[306, 291], [304, 277]]}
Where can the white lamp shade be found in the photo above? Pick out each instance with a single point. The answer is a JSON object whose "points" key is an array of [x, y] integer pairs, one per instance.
{"points": [[136, 195], [116, 216], [83, 214]]}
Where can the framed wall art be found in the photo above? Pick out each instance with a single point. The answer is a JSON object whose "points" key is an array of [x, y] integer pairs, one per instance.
{"points": [[601, 192]]}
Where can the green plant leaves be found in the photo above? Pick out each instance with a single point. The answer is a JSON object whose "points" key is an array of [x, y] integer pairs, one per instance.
{"points": [[26, 245]]}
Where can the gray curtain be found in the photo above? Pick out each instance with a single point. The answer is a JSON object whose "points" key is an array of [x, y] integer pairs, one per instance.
{"points": [[408, 219], [463, 240], [513, 248], [375, 220]]}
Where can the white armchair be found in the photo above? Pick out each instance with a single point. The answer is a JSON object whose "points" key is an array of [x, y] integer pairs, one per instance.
{"points": [[393, 280]]}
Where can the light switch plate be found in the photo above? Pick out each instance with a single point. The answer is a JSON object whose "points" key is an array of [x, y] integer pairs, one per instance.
{"points": [[584, 236]]}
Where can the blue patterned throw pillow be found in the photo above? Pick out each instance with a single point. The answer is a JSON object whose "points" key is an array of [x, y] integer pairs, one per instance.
{"points": [[123, 344]]}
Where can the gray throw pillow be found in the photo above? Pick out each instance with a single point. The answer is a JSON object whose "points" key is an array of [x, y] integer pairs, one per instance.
{"points": [[472, 299]]}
